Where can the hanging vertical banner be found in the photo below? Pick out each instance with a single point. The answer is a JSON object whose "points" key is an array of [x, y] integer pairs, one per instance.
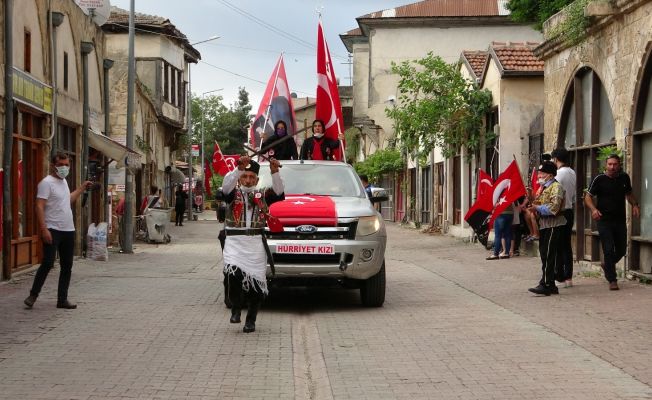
{"points": [[276, 105], [328, 107]]}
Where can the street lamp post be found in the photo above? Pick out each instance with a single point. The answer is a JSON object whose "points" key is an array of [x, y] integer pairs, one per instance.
{"points": [[189, 110], [203, 109]]}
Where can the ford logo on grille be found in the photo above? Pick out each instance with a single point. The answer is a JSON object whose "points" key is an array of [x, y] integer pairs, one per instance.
{"points": [[306, 229]]}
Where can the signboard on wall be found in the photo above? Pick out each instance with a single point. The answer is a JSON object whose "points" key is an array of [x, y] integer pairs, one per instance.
{"points": [[31, 91], [195, 150]]}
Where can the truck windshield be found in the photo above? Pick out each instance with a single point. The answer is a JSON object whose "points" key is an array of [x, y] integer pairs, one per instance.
{"points": [[318, 179]]}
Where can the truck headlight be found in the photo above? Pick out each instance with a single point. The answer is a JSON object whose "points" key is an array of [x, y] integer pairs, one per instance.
{"points": [[368, 226]]}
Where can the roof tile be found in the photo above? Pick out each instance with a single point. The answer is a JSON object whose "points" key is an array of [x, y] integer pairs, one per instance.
{"points": [[514, 57], [444, 8]]}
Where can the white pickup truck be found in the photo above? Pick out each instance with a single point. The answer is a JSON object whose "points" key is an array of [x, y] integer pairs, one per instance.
{"points": [[332, 232]]}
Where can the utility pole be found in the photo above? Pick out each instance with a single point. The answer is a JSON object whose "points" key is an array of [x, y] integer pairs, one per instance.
{"points": [[129, 178]]}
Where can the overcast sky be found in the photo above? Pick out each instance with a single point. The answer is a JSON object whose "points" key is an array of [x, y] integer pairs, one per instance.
{"points": [[247, 50]]}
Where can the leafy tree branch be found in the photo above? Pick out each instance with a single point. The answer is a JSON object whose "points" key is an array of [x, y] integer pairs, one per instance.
{"points": [[437, 108]]}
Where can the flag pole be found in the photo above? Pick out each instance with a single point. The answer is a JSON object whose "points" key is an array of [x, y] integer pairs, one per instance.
{"points": [[271, 96]]}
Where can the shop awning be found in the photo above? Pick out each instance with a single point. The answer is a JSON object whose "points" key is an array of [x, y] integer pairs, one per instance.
{"points": [[176, 176], [121, 154]]}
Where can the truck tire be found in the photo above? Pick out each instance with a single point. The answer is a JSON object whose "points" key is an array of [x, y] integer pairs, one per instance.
{"points": [[372, 290]]}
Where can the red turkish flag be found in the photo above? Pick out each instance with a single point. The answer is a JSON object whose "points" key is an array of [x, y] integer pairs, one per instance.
{"points": [[275, 106], [478, 215], [507, 189], [328, 107], [305, 210], [223, 164], [534, 182]]}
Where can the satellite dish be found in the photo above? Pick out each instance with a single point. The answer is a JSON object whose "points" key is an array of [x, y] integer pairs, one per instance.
{"points": [[98, 10]]}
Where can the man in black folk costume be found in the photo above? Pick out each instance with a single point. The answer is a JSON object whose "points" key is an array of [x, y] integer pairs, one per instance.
{"points": [[245, 252]]}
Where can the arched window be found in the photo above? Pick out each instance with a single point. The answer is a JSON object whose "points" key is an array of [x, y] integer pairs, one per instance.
{"points": [[642, 166], [587, 124]]}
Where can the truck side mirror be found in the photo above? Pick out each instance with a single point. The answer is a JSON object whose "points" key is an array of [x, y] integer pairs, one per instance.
{"points": [[378, 195]]}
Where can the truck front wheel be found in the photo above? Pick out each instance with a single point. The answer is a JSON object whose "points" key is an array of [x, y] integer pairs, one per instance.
{"points": [[372, 290]]}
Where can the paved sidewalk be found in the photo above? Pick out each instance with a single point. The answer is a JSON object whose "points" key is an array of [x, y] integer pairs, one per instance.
{"points": [[613, 325]]}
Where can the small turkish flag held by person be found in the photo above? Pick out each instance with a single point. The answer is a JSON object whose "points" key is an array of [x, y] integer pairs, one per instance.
{"points": [[534, 182], [507, 189], [478, 215], [223, 164], [328, 107]]}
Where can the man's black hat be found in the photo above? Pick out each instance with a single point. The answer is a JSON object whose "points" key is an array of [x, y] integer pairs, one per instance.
{"points": [[253, 167], [548, 167]]}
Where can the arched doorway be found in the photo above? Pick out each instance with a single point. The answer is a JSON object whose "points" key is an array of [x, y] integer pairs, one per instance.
{"points": [[641, 249], [587, 125]]}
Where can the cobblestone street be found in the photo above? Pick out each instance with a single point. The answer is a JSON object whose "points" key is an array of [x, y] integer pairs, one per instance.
{"points": [[152, 325]]}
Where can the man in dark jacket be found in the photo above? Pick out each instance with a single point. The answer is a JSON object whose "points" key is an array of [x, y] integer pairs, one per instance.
{"points": [[318, 147], [286, 150]]}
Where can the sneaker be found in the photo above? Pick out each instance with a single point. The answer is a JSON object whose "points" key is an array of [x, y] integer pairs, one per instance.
{"points": [[613, 286], [492, 257], [516, 253], [29, 301]]}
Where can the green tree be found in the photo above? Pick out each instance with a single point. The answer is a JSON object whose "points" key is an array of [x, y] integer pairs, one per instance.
{"points": [[535, 12], [224, 125], [437, 107], [381, 162]]}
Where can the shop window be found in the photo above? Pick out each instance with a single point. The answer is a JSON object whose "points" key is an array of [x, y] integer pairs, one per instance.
{"points": [[587, 125], [645, 182], [587, 111]]}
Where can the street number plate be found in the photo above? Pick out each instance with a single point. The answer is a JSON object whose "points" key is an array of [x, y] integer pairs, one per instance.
{"points": [[302, 248]]}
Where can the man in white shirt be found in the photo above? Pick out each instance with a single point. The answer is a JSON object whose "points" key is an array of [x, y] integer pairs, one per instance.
{"points": [[566, 176], [54, 214]]}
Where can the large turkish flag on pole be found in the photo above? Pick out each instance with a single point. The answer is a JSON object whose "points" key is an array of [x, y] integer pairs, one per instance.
{"points": [[275, 105], [328, 107]]}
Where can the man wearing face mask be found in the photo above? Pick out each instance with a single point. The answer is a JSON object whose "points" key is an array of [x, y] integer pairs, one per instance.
{"points": [[245, 253], [287, 149], [318, 147], [54, 214], [549, 206]]}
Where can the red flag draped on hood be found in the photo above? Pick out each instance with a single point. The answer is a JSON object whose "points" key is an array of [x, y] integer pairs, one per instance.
{"points": [[305, 210], [328, 108], [276, 105], [477, 216], [507, 189], [207, 178], [223, 164]]}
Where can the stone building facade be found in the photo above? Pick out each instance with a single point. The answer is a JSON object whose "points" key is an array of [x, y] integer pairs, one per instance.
{"points": [[598, 94]]}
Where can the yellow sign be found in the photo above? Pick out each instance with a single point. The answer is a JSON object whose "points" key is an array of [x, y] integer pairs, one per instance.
{"points": [[31, 91]]}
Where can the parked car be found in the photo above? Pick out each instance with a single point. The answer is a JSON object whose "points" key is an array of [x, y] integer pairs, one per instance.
{"points": [[332, 232]]}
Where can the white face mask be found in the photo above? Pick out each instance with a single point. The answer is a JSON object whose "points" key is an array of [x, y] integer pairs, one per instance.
{"points": [[541, 181], [319, 135], [62, 171], [247, 189]]}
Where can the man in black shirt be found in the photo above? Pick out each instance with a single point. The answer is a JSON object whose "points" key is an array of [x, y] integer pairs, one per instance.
{"points": [[611, 188]]}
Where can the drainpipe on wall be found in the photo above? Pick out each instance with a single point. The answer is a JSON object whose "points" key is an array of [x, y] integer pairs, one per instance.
{"points": [[7, 223], [107, 131], [86, 49], [55, 20]]}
